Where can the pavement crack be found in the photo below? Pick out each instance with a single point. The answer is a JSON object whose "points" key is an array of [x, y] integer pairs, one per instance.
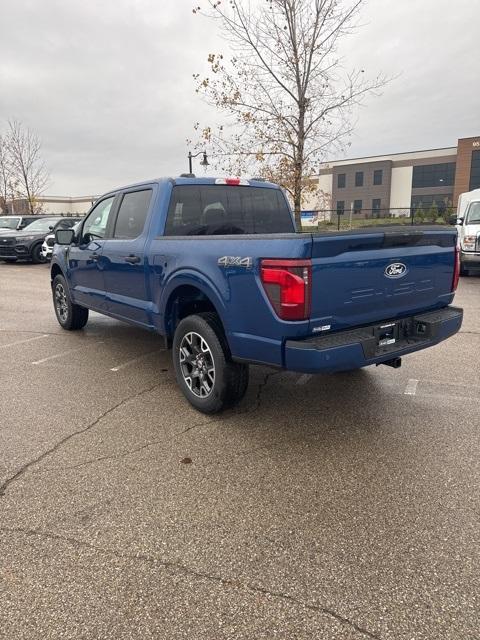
{"points": [[18, 474], [254, 407], [258, 398], [179, 567]]}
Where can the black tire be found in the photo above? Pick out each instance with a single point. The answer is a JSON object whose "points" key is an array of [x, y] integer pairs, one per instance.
{"points": [[70, 316], [36, 254], [223, 388], [463, 271]]}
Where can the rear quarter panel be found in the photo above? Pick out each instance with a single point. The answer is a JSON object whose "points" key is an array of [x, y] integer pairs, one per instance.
{"points": [[253, 330]]}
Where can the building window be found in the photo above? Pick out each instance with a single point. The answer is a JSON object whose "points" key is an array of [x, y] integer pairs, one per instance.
{"points": [[340, 207], [428, 201], [341, 180], [359, 178], [378, 176], [376, 206], [357, 206], [434, 175], [475, 171]]}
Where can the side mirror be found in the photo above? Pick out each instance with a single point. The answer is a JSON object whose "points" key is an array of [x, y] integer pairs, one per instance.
{"points": [[51, 227], [64, 236], [459, 221]]}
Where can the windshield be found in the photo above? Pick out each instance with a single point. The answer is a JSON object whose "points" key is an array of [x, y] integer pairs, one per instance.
{"points": [[67, 223], [41, 225], [473, 216], [9, 223]]}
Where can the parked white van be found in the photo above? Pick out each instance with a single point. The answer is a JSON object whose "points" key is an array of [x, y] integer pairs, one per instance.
{"points": [[468, 224]]}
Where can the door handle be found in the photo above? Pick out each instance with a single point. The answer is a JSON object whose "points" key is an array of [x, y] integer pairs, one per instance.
{"points": [[94, 256], [132, 259]]}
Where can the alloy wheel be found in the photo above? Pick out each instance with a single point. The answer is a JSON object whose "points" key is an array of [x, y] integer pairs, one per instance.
{"points": [[197, 365], [61, 303]]}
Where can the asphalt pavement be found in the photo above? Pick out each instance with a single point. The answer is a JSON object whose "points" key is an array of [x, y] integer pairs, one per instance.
{"points": [[333, 507]]}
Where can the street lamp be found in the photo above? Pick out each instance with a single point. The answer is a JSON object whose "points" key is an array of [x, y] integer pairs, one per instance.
{"points": [[204, 162]]}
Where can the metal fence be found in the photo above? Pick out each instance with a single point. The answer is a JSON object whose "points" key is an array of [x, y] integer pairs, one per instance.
{"points": [[333, 219]]}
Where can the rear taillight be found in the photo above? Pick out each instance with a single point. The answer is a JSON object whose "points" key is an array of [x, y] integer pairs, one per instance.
{"points": [[456, 268], [288, 284]]}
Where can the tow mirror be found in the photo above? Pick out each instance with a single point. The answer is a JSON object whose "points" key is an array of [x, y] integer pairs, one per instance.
{"points": [[459, 221], [64, 236]]}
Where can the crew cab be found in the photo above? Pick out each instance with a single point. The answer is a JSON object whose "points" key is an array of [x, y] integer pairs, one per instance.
{"points": [[217, 267]]}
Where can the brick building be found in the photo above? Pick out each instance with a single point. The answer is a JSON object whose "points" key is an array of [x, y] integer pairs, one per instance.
{"points": [[400, 181]]}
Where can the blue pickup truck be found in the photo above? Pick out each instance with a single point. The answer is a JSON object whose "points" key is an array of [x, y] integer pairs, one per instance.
{"points": [[217, 268]]}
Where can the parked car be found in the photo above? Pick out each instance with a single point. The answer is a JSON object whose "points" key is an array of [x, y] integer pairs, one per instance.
{"points": [[49, 241], [27, 243], [217, 268], [469, 231], [16, 223]]}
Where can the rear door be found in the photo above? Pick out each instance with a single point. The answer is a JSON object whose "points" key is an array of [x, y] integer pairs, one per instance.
{"points": [[359, 278], [85, 258], [124, 264]]}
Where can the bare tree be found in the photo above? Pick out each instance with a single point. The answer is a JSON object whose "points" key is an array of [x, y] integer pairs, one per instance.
{"points": [[285, 94], [5, 173], [27, 167]]}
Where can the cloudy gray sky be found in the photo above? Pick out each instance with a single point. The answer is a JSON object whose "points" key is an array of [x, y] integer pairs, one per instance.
{"points": [[108, 85]]}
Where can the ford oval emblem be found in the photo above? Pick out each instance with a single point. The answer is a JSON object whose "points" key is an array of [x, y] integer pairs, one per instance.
{"points": [[395, 270]]}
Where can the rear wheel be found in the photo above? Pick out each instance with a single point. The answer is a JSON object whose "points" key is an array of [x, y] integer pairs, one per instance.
{"points": [[209, 379], [70, 316], [463, 271]]}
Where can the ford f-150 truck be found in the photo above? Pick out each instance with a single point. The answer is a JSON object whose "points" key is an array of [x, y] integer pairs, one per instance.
{"points": [[217, 268]]}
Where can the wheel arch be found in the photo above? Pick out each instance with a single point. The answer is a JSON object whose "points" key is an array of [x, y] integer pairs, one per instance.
{"points": [[185, 298], [55, 271]]}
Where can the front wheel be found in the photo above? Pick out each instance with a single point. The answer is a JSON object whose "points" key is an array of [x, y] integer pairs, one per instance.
{"points": [[463, 271], [70, 316], [37, 255], [209, 379]]}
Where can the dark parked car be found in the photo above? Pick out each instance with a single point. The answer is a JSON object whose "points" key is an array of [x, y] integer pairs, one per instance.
{"points": [[26, 244]]}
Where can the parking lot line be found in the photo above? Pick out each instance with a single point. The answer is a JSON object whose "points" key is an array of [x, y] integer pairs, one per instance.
{"points": [[12, 344], [411, 388], [304, 379], [64, 353], [124, 365]]}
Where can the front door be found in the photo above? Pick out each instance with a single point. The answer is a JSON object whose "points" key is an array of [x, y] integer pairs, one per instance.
{"points": [[85, 258], [123, 259]]}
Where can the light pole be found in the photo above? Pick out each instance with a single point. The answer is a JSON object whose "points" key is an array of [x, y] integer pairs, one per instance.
{"points": [[204, 162]]}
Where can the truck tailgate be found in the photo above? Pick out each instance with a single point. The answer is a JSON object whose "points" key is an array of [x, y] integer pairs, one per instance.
{"points": [[362, 277]]}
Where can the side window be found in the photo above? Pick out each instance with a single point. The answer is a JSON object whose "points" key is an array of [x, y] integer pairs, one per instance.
{"points": [[132, 214], [96, 223]]}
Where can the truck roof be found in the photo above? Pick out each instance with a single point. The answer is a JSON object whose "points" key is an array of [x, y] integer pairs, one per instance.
{"points": [[186, 179]]}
